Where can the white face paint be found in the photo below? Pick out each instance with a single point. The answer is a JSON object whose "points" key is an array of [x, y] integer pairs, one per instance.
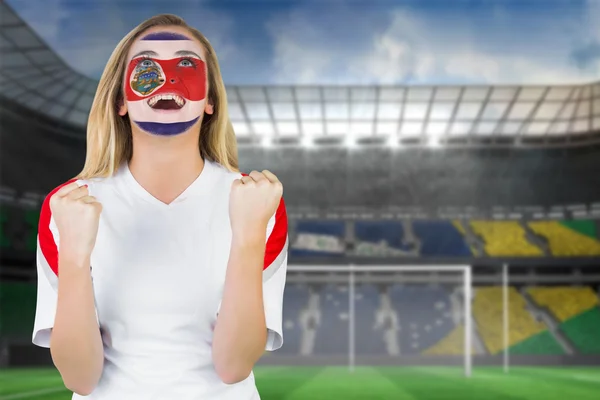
{"points": [[165, 83]]}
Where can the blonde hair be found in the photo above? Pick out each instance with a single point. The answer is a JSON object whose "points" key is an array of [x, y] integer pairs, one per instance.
{"points": [[109, 142]]}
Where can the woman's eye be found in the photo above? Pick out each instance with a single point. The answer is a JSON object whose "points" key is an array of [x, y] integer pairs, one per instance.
{"points": [[186, 63], [147, 63]]}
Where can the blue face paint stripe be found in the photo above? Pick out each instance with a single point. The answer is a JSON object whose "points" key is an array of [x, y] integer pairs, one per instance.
{"points": [[165, 36], [162, 129]]}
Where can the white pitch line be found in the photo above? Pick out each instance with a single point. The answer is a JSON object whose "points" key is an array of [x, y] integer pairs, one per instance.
{"points": [[25, 395], [586, 378]]}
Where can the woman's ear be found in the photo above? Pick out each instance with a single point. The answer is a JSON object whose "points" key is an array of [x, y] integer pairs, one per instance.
{"points": [[121, 107], [208, 108]]}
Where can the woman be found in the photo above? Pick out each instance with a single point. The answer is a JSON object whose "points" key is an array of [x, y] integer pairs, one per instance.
{"points": [[172, 264]]}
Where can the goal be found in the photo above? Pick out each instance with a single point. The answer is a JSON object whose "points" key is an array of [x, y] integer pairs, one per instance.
{"points": [[404, 276]]}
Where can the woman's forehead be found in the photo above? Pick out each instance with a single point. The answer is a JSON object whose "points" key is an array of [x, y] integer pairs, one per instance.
{"points": [[166, 44]]}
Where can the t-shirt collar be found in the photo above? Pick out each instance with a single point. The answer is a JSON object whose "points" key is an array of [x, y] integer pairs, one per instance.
{"points": [[200, 185]]}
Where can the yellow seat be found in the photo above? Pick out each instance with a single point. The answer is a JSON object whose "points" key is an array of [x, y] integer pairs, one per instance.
{"points": [[564, 302], [488, 315], [452, 344], [565, 242], [505, 238]]}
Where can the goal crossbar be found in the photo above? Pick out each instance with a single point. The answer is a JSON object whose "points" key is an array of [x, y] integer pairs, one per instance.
{"points": [[377, 268]]}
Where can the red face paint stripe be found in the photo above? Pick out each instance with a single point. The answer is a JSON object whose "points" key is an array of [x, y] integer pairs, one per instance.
{"points": [[278, 237], [46, 238]]}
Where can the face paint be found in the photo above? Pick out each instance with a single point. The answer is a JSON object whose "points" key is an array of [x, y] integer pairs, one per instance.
{"points": [[147, 76], [165, 87], [165, 36], [184, 76]]}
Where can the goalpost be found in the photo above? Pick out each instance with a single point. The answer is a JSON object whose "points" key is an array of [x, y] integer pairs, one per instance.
{"points": [[464, 270]]}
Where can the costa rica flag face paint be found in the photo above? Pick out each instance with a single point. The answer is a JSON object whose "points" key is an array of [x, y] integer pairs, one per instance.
{"points": [[165, 83], [149, 77]]}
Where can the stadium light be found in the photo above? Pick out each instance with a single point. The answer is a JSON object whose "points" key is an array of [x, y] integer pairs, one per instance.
{"points": [[433, 142], [307, 142], [393, 142], [266, 142], [350, 141]]}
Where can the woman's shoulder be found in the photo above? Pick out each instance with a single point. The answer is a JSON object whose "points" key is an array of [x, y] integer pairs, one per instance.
{"points": [[91, 183], [223, 174], [222, 179]]}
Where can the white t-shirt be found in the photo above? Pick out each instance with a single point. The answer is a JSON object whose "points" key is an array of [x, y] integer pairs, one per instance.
{"points": [[158, 273]]}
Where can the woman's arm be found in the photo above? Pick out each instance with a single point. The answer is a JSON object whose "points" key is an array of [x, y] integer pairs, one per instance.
{"points": [[75, 342], [240, 333]]}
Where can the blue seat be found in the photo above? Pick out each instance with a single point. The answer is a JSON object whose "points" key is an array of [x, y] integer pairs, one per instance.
{"points": [[440, 239], [391, 232], [424, 315], [332, 332], [368, 337]]}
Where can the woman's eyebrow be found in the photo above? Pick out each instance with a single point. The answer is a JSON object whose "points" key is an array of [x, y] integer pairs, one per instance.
{"points": [[145, 53], [187, 53]]}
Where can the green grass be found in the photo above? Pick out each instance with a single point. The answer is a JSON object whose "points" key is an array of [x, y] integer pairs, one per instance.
{"points": [[372, 383]]}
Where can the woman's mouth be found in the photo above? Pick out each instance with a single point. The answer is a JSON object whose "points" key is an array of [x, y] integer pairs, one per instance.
{"points": [[166, 102]]}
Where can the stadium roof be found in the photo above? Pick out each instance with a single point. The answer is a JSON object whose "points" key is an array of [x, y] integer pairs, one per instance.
{"points": [[33, 75]]}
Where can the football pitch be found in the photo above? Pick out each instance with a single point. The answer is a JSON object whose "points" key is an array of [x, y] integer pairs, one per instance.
{"points": [[370, 383]]}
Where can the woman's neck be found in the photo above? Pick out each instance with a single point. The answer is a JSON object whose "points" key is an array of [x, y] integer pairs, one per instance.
{"points": [[165, 167]]}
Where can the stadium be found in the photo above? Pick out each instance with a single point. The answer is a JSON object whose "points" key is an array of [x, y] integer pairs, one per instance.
{"points": [[444, 240]]}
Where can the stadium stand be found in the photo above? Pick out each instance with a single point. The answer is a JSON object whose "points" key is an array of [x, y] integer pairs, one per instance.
{"points": [[459, 227], [452, 344], [564, 302], [576, 309], [583, 331], [381, 238], [368, 332], [488, 315], [4, 238], [424, 316], [543, 343], [318, 238], [577, 238], [332, 329], [17, 309], [440, 238], [295, 299], [505, 238]]}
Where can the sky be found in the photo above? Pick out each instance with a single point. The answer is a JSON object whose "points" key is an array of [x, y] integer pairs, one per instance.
{"points": [[350, 42]]}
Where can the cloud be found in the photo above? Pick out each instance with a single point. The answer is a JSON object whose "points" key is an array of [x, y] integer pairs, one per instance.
{"points": [[587, 55], [295, 58], [82, 36], [85, 35], [47, 20], [413, 47], [337, 42]]}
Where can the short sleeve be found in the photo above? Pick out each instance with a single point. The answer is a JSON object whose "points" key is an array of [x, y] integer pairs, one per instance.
{"points": [[47, 275], [274, 276]]}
